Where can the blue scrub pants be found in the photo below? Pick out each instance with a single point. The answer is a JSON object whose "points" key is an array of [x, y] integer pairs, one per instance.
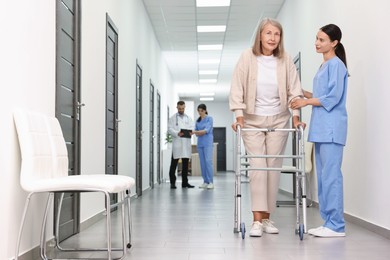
{"points": [[206, 163], [329, 157]]}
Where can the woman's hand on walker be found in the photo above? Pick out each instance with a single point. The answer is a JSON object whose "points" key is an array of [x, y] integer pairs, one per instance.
{"points": [[297, 122], [239, 121]]}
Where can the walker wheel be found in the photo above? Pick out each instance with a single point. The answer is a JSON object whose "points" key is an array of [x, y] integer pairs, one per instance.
{"points": [[301, 231], [243, 230]]}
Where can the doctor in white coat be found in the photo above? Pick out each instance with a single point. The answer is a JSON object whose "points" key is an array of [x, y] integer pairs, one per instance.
{"points": [[181, 146]]}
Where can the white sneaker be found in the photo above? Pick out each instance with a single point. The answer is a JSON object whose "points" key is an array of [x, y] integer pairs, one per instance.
{"points": [[312, 230], [268, 227], [327, 232], [256, 230], [203, 186], [210, 186]]}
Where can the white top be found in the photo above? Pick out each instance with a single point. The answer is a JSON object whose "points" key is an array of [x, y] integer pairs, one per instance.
{"points": [[267, 93]]}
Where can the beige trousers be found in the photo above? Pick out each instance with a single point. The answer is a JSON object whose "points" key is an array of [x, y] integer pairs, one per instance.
{"points": [[264, 185]]}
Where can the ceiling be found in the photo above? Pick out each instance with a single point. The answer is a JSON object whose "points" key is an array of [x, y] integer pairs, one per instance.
{"points": [[175, 24]]}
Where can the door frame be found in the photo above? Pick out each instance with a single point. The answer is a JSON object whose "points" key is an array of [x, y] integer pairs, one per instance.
{"points": [[112, 169], [139, 131], [151, 135], [76, 133]]}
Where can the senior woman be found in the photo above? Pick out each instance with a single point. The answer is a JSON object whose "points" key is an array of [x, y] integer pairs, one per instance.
{"points": [[264, 83]]}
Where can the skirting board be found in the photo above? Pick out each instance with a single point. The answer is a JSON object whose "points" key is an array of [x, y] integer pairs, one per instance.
{"points": [[34, 253], [354, 220]]}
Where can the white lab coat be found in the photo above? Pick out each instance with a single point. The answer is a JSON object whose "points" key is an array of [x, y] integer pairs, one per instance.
{"points": [[181, 147]]}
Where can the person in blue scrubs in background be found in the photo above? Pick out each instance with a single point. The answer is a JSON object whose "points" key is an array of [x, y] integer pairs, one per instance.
{"points": [[204, 132], [328, 128]]}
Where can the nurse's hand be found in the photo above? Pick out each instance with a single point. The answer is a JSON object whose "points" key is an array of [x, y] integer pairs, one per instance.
{"points": [[298, 103]]}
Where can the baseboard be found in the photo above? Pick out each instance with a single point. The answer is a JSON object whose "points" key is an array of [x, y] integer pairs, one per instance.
{"points": [[35, 253], [92, 220], [353, 219], [367, 225]]}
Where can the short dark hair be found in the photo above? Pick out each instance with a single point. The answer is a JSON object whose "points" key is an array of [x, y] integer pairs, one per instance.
{"points": [[180, 103]]}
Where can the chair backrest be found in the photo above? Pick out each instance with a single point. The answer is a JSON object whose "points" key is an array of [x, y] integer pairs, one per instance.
{"points": [[42, 146]]}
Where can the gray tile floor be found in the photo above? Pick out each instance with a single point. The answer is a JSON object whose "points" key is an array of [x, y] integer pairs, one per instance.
{"points": [[197, 224]]}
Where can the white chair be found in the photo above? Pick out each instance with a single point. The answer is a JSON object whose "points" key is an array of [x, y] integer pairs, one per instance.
{"points": [[44, 169]]}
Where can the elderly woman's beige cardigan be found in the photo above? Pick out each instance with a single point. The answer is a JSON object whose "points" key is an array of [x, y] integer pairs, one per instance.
{"points": [[243, 87]]}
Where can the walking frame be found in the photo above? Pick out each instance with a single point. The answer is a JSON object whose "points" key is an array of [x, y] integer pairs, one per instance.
{"points": [[298, 157]]}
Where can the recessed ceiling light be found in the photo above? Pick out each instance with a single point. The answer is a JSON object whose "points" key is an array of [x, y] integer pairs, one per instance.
{"points": [[207, 94], [206, 99], [210, 47], [209, 61], [208, 72], [205, 81], [209, 3], [211, 28]]}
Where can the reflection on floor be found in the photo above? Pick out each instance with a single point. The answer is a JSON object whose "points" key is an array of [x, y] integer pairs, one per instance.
{"points": [[197, 224]]}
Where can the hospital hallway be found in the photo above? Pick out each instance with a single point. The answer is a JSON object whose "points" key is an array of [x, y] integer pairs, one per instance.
{"points": [[197, 224]]}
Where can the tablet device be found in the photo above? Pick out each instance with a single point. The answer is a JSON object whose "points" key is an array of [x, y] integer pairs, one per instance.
{"points": [[186, 132]]}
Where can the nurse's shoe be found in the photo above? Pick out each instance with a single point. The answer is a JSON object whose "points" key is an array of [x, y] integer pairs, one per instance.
{"points": [[210, 186], [327, 232], [256, 230], [312, 230], [203, 186]]}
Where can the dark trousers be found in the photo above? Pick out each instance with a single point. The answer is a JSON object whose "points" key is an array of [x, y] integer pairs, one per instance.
{"points": [[184, 171]]}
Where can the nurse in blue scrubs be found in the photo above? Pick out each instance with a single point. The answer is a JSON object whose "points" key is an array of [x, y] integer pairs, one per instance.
{"points": [[204, 132], [328, 128]]}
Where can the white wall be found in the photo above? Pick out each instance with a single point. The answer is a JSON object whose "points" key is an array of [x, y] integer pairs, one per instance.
{"points": [[28, 80], [136, 43], [365, 37]]}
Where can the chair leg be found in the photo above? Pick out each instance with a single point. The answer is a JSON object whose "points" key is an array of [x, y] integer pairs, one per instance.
{"points": [[129, 216], [123, 198], [22, 225], [58, 245], [108, 222], [57, 223], [43, 228]]}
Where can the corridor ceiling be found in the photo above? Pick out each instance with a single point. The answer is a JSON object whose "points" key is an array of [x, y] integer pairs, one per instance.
{"points": [[175, 23]]}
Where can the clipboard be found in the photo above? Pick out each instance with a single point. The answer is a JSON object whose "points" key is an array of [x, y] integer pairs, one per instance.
{"points": [[186, 132]]}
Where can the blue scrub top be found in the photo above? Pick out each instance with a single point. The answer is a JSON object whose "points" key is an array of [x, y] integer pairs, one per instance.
{"points": [[205, 124], [329, 122]]}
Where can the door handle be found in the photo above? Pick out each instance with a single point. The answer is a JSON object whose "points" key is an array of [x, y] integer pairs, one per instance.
{"points": [[117, 121], [79, 105]]}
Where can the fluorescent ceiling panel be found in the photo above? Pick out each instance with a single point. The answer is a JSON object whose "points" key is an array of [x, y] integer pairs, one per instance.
{"points": [[210, 47], [211, 28], [209, 3]]}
